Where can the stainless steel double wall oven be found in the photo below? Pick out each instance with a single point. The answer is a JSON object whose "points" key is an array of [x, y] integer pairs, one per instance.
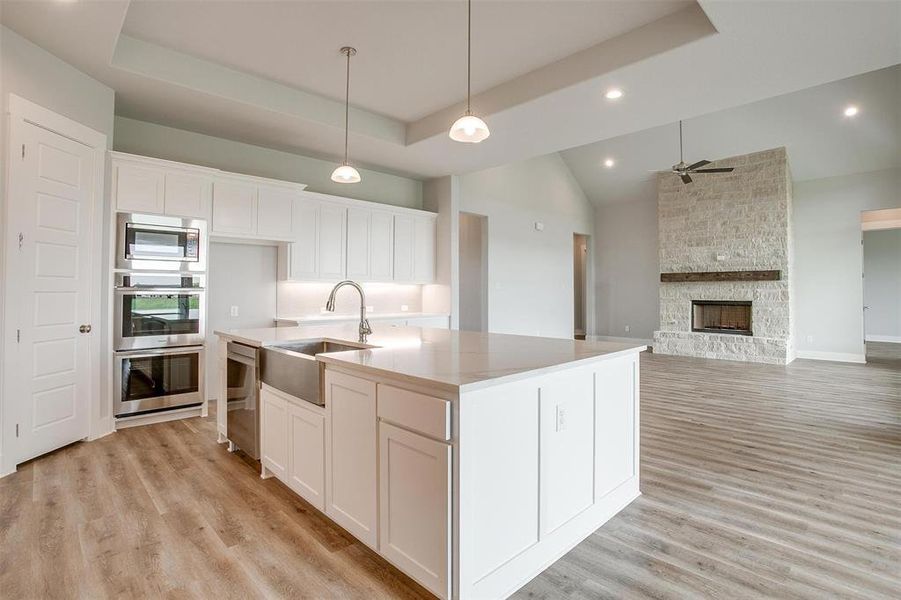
{"points": [[160, 313]]}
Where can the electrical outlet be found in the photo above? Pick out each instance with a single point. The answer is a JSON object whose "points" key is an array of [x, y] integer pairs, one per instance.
{"points": [[628, 328], [404, 308], [370, 309], [539, 226], [561, 417], [809, 339], [233, 311]]}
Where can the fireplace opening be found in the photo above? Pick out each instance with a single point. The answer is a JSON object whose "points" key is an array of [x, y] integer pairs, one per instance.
{"points": [[721, 316]]}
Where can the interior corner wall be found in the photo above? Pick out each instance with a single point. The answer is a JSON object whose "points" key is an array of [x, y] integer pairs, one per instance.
{"points": [[530, 271], [627, 273], [149, 139], [829, 260], [442, 195], [882, 285], [34, 74]]}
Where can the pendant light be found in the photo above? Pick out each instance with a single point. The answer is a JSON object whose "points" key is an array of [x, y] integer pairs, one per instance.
{"points": [[469, 128], [346, 173]]}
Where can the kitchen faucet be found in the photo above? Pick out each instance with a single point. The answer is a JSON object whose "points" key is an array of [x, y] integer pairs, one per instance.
{"points": [[365, 329]]}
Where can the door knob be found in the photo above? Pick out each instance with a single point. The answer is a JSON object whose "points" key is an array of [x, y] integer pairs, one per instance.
{"points": [[85, 329]]}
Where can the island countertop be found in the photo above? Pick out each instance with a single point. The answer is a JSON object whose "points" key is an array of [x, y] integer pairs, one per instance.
{"points": [[450, 359]]}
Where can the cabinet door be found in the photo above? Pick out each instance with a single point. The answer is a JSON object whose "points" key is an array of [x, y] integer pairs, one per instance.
{"points": [[381, 246], [234, 208], [351, 455], [424, 231], [303, 252], [403, 248], [414, 500], [358, 243], [331, 241], [306, 461], [187, 195], [615, 418], [274, 433], [275, 212], [139, 189]]}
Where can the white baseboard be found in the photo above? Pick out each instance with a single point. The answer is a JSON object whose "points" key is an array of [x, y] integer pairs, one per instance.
{"points": [[611, 338], [894, 339], [833, 356]]}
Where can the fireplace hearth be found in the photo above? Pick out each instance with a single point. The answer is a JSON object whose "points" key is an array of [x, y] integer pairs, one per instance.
{"points": [[721, 316]]}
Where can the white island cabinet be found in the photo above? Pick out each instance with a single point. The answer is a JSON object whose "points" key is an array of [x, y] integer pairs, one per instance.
{"points": [[470, 461]]}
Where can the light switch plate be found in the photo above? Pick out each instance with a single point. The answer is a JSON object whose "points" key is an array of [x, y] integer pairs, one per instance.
{"points": [[233, 311]]}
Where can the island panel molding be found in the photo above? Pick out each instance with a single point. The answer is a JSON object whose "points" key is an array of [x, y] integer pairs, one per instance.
{"points": [[716, 276]]}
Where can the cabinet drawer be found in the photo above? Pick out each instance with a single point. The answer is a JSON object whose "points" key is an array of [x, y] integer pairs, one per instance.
{"points": [[425, 414]]}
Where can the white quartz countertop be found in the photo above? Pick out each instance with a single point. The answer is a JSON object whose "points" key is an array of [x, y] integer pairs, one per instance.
{"points": [[331, 318], [452, 360]]}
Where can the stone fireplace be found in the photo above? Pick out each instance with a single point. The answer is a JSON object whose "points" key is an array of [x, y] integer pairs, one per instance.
{"points": [[725, 262]]}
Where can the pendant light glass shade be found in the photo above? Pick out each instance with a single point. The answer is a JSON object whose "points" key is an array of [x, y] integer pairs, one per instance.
{"points": [[346, 174], [469, 128]]}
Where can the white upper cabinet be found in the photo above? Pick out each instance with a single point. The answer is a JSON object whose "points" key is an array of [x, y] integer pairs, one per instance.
{"points": [[424, 240], [403, 248], [160, 187], [331, 241], [234, 208], [300, 259], [139, 188], [359, 234], [275, 210], [381, 246]]}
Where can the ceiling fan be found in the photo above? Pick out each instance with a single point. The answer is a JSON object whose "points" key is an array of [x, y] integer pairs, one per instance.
{"points": [[684, 171]]}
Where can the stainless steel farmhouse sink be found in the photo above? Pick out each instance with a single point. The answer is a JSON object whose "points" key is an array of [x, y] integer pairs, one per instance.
{"points": [[292, 367]]}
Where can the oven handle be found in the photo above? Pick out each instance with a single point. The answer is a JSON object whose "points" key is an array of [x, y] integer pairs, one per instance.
{"points": [[159, 351]]}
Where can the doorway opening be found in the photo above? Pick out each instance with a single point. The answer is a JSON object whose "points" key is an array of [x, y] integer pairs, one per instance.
{"points": [[881, 237], [580, 286], [473, 272]]}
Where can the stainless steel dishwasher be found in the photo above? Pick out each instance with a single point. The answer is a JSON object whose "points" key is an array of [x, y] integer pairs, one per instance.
{"points": [[243, 405]]}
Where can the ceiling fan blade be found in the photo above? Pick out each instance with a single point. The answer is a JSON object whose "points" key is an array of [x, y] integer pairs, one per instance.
{"points": [[718, 170], [700, 163], [685, 178]]}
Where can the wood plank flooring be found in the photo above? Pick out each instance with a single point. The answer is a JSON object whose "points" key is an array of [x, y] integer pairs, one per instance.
{"points": [[758, 482]]}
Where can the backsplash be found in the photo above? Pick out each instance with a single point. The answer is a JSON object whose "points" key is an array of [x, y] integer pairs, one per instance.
{"points": [[298, 299]]}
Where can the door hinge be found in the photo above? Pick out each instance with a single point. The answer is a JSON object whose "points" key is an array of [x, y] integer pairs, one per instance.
{"points": [[17, 430], [21, 240], [23, 151], [18, 335]]}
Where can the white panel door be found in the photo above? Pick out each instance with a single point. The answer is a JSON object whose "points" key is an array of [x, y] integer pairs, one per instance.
{"points": [[424, 231], [51, 203], [275, 209], [358, 241], [187, 195], [274, 433], [331, 241], [139, 189], [567, 447], [381, 246], [415, 505], [403, 248], [615, 417], [351, 455], [303, 252], [306, 460], [234, 208]]}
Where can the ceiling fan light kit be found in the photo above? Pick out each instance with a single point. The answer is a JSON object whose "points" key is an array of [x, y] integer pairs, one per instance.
{"points": [[346, 173], [469, 128]]}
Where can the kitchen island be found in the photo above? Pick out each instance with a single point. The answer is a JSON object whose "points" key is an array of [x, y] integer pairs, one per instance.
{"points": [[471, 461]]}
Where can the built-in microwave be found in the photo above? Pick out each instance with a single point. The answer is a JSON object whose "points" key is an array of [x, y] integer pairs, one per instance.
{"points": [[159, 243], [162, 378], [157, 310]]}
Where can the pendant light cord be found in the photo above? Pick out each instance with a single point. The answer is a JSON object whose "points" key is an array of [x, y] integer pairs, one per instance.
{"points": [[468, 57], [346, 104]]}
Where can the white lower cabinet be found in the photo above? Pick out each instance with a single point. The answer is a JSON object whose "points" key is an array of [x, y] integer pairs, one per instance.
{"points": [[306, 460], [274, 432], [414, 499], [351, 456]]}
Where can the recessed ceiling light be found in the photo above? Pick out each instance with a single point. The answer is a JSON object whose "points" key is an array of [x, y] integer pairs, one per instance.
{"points": [[851, 111], [609, 163], [614, 94]]}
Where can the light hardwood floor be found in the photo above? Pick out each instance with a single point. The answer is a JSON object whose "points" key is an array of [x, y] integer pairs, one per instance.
{"points": [[758, 481]]}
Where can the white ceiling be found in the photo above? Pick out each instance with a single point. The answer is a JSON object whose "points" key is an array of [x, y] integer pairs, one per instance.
{"points": [[820, 140], [401, 45], [268, 73]]}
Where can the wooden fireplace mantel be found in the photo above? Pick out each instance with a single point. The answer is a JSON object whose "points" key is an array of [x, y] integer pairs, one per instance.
{"points": [[694, 276]]}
